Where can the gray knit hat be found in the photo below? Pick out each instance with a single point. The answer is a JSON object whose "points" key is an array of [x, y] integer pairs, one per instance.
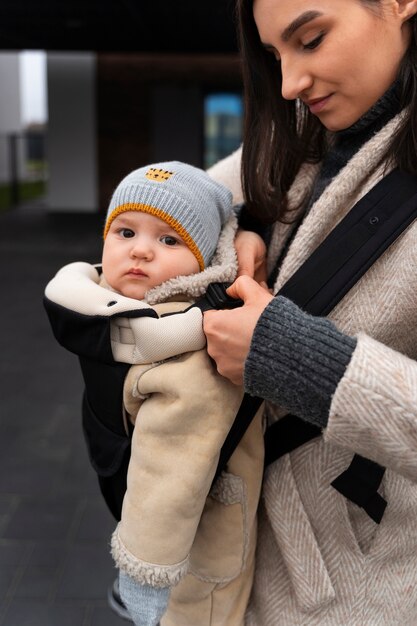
{"points": [[185, 197]]}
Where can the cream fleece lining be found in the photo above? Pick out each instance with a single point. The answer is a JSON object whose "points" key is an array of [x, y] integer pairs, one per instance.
{"points": [[143, 572]]}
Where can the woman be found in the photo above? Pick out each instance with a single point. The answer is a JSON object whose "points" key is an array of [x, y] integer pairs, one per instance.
{"points": [[330, 110]]}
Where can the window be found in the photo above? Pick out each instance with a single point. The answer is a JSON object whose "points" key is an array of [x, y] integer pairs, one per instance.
{"points": [[222, 125]]}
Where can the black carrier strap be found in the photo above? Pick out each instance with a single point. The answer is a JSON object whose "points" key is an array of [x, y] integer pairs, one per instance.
{"points": [[318, 285]]}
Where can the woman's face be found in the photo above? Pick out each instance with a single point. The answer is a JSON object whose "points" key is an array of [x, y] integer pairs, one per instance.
{"points": [[338, 56]]}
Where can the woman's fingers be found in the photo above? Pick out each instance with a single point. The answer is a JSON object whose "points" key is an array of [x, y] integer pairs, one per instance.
{"points": [[248, 290], [229, 332], [251, 255]]}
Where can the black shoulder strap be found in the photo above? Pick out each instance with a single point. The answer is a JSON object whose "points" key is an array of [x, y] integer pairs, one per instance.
{"points": [[354, 244], [318, 285]]}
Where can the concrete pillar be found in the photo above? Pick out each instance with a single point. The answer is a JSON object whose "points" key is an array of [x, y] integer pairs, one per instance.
{"points": [[10, 113], [71, 147]]}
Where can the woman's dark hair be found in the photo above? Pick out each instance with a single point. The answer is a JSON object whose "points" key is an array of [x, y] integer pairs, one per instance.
{"points": [[279, 135]]}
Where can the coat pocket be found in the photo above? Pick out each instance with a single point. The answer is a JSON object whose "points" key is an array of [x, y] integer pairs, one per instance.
{"points": [[221, 544], [295, 538], [364, 529]]}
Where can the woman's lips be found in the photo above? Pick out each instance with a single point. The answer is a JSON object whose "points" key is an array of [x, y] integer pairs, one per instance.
{"points": [[317, 104]]}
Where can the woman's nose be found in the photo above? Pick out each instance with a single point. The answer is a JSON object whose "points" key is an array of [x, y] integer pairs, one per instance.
{"points": [[296, 79]]}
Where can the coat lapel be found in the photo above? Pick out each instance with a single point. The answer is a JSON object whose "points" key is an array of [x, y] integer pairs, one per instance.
{"points": [[361, 173]]}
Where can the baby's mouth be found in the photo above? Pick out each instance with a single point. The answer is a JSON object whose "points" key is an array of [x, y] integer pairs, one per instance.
{"points": [[135, 271]]}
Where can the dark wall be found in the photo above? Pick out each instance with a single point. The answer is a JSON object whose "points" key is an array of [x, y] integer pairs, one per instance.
{"points": [[150, 107], [190, 26]]}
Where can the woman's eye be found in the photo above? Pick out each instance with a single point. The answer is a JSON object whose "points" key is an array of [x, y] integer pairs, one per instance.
{"points": [[274, 53], [314, 42], [169, 240], [126, 233]]}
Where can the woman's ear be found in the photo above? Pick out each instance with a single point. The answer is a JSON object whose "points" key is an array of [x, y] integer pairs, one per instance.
{"points": [[406, 9]]}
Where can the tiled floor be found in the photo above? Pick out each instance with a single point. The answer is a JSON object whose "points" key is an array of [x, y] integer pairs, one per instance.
{"points": [[55, 566]]}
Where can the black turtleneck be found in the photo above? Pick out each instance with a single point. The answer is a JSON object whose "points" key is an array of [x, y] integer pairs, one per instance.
{"points": [[348, 141]]}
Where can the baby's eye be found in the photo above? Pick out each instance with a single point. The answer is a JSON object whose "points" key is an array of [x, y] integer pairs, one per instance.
{"points": [[169, 240], [127, 233]]}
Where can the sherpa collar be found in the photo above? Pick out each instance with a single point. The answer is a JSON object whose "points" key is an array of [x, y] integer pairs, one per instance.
{"points": [[223, 268]]}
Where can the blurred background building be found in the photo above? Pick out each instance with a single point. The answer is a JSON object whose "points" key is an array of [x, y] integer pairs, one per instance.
{"points": [[104, 87], [89, 89]]}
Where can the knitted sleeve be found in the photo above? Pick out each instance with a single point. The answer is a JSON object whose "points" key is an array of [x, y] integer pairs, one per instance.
{"points": [[296, 360]]}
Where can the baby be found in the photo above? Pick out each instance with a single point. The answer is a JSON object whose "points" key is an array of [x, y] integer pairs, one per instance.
{"points": [[162, 229]]}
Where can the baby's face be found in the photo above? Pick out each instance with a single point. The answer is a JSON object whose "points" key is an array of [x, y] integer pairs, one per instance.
{"points": [[141, 251]]}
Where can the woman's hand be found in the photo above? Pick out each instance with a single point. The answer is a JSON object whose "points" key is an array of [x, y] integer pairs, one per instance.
{"points": [[251, 255], [229, 332]]}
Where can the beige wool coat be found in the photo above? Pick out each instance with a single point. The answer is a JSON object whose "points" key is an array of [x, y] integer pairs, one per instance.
{"points": [[320, 559]]}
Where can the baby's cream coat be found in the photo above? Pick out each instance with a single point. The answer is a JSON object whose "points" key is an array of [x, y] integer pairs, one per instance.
{"points": [[171, 533]]}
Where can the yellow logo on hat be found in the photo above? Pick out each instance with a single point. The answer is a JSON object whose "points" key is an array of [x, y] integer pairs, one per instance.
{"points": [[159, 175]]}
